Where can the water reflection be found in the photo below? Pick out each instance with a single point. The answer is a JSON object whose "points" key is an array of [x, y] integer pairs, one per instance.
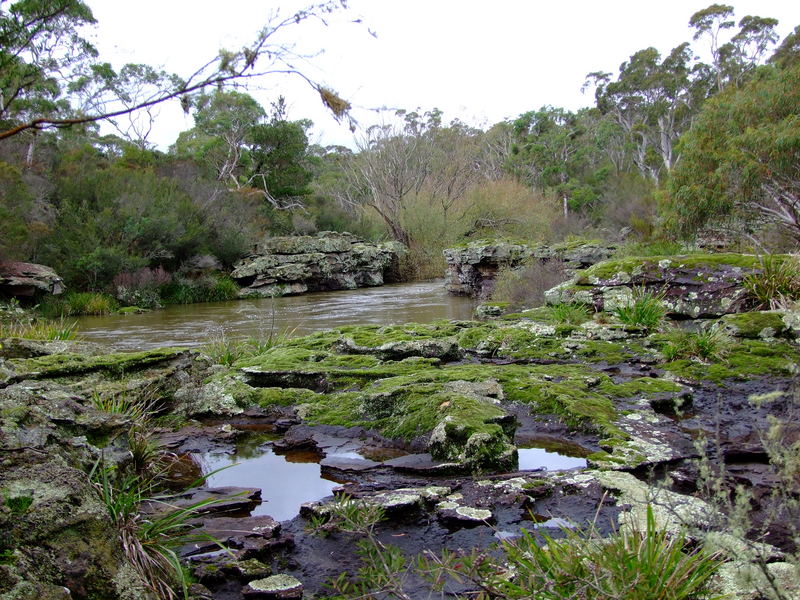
{"points": [[286, 481], [538, 458], [192, 324]]}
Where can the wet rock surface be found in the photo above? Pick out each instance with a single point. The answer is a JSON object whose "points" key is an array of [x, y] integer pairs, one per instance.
{"points": [[28, 280], [284, 266], [472, 269], [692, 286], [423, 422]]}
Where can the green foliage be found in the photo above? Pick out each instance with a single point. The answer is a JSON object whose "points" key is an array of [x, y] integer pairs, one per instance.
{"points": [[777, 282], [645, 310], [150, 542], [18, 505], [740, 155]]}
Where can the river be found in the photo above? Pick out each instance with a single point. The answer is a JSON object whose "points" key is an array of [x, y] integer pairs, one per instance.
{"points": [[192, 325]]}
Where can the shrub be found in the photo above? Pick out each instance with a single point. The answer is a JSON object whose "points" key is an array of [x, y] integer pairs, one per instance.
{"points": [[524, 287], [778, 282], [141, 288], [645, 310]]}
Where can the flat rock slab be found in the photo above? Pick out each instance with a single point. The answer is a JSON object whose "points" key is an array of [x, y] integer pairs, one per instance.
{"points": [[346, 463], [273, 588], [221, 500], [423, 464], [251, 534], [452, 512]]}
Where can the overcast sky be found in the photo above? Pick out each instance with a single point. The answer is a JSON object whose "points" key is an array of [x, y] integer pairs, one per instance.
{"points": [[479, 61]]}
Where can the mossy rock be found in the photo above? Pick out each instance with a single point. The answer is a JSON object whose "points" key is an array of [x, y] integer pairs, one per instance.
{"points": [[756, 325], [69, 364]]}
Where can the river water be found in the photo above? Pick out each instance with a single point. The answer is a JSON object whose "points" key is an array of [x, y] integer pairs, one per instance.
{"points": [[192, 325]]}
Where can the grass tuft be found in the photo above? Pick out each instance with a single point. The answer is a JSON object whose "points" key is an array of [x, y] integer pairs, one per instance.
{"points": [[776, 284], [645, 310]]}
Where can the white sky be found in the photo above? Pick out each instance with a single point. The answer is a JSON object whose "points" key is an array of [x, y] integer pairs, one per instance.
{"points": [[480, 61]]}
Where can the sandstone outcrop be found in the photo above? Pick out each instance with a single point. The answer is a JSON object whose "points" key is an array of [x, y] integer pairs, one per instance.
{"points": [[691, 286], [28, 280], [284, 266], [472, 269]]}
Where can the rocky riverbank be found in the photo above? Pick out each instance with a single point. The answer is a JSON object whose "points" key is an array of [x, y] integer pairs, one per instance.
{"points": [[425, 421], [473, 268], [283, 266]]}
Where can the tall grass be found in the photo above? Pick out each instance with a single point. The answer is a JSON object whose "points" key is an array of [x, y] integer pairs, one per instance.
{"points": [[777, 282], [645, 309], [40, 329], [710, 343], [74, 304], [150, 542], [225, 350], [210, 288]]}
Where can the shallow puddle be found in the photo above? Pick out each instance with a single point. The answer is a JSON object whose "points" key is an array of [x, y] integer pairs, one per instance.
{"points": [[286, 480], [540, 458]]}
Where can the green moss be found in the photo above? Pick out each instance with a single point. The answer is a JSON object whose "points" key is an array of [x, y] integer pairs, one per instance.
{"points": [[642, 386], [68, 364], [609, 268], [344, 409], [752, 324], [746, 359], [266, 397]]}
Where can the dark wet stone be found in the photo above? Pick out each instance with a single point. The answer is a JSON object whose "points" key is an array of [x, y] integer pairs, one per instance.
{"points": [[223, 500], [423, 464], [339, 463]]}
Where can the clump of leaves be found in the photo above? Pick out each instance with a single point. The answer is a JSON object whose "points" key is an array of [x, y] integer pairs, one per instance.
{"points": [[710, 344], [645, 310], [777, 282], [18, 505]]}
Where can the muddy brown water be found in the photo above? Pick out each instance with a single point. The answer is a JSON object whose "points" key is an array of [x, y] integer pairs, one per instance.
{"points": [[192, 325]]}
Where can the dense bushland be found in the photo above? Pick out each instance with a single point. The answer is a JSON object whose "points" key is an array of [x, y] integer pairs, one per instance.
{"points": [[671, 145]]}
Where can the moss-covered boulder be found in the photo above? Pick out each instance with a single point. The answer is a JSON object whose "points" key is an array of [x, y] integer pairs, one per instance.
{"points": [[692, 286], [473, 267], [284, 266]]}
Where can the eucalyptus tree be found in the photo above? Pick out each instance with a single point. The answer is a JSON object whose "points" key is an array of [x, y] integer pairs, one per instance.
{"points": [[733, 60], [742, 155], [653, 102], [45, 60], [399, 164], [244, 149]]}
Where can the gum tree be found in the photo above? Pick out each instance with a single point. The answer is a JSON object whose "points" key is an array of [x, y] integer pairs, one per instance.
{"points": [[46, 64]]}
